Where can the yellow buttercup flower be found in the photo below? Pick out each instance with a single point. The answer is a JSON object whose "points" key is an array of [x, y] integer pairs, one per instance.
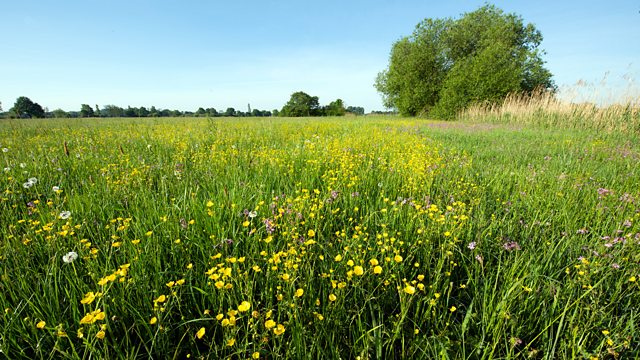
{"points": [[269, 324], [41, 325], [299, 293], [153, 320], [358, 270], [377, 270], [409, 289], [244, 306], [200, 333], [88, 298], [279, 330]]}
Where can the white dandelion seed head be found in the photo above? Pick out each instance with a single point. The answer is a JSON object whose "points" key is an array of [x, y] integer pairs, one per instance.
{"points": [[33, 180], [65, 215], [70, 257], [27, 185]]}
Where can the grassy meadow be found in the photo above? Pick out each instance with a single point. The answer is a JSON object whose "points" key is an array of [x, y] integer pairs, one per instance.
{"points": [[352, 238]]}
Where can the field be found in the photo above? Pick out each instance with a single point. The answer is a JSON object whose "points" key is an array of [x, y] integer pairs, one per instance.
{"points": [[352, 238]]}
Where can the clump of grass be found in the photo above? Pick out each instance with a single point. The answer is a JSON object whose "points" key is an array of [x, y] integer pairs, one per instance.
{"points": [[545, 109]]}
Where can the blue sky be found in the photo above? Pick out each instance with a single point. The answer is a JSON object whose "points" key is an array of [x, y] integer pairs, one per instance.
{"points": [[187, 54]]}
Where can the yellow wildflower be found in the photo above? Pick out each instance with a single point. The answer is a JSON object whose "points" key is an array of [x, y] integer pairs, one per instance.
{"points": [[269, 324], [279, 330], [358, 270], [244, 306]]}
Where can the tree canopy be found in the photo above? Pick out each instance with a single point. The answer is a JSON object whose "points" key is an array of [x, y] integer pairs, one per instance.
{"points": [[303, 104], [25, 108], [449, 64]]}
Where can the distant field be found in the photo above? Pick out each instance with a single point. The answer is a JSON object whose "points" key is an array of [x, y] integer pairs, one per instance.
{"points": [[365, 238]]}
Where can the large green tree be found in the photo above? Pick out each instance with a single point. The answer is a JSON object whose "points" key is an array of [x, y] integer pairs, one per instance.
{"points": [[448, 64], [25, 108], [301, 104], [335, 108], [86, 111]]}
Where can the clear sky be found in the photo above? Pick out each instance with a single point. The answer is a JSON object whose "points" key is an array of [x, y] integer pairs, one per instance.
{"points": [[186, 54]]}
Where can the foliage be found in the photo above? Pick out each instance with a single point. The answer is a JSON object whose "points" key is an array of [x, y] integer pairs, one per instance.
{"points": [[305, 238], [449, 64], [356, 110], [25, 108], [335, 108], [301, 104], [86, 111], [60, 114]]}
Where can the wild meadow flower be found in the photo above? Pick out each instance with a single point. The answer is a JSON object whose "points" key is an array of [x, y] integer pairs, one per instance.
{"points": [[27, 185], [252, 214], [279, 330], [40, 325], [409, 289], [200, 332], [4, 150], [269, 324], [88, 298], [55, 188], [511, 245], [7, 169], [65, 215], [244, 306], [70, 257], [472, 245]]}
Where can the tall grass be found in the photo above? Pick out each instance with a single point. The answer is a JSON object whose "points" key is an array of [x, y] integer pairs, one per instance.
{"points": [[329, 238], [547, 110]]}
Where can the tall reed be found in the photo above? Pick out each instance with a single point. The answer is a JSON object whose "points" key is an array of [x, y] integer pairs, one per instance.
{"points": [[543, 108]]}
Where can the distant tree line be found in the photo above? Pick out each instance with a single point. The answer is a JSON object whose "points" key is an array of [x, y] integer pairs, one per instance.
{"points": [[303, 104], [300, 104]]}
